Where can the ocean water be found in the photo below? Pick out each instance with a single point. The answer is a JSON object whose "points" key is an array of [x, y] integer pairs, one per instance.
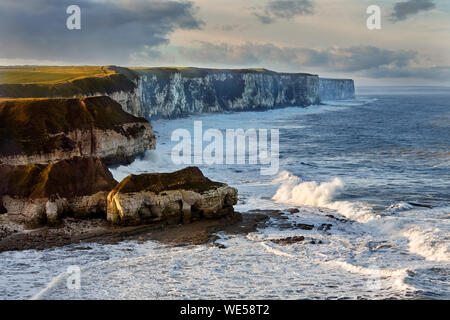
{"points": [[380, 162]]}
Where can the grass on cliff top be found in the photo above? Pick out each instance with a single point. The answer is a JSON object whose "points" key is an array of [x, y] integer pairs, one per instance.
{"points": [[64, 82], [190, 178], [194, 72], [50, 75], [35, 125]]}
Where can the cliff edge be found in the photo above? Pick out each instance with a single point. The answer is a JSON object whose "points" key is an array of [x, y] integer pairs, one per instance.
{"points": [[46, 130]]}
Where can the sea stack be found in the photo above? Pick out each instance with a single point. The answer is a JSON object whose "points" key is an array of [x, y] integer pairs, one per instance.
{"points": [[178, 197]]}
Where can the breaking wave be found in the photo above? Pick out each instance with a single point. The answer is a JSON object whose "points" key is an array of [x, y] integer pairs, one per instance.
{"points": [[311, 193]]}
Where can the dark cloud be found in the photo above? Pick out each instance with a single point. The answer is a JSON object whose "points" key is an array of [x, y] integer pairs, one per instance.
{"points": [[364, 61], [403, 10], [351, 59], [284, 9], [111, 29]]}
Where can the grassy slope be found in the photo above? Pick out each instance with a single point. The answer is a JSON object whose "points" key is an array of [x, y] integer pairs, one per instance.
{"points": [[30, 82], [50, 75], [26, 125], [190, 178]]}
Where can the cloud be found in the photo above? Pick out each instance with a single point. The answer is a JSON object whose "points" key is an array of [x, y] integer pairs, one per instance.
{"points": [[362, 61], [112, 30], [403, 10], [437, 73], [333, 59], [284, 9]]}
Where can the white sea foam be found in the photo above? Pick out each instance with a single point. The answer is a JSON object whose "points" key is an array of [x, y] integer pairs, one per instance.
{"points": [[311, 193], [396, 276], [426, 244]]}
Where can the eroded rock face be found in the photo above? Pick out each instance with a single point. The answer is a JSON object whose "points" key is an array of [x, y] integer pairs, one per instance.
{"points": [[49, 130], [42, 194], [179, 197], [174, 92]]}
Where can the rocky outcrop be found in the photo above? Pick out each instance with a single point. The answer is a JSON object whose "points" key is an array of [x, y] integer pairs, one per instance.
{"points": [[336, 89], [182, 196], [39, 194], [172, 92], [45, 130]]}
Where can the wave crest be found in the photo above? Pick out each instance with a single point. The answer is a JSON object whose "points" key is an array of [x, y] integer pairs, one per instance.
{"points": [[311, 193]]}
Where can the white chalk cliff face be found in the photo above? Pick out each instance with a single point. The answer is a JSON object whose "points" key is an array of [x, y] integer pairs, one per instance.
{"points": [[173, 92], [110, 145]]}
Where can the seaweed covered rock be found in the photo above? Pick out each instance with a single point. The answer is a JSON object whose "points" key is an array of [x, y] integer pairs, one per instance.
{"points": [[47, 130], [39, 194], [178, 197]]}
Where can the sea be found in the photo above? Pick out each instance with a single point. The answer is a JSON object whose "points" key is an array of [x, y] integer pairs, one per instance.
{"points": [[379, 164]]}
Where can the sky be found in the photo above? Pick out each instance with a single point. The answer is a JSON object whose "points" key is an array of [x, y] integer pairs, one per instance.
{"points": [[325, 37]]}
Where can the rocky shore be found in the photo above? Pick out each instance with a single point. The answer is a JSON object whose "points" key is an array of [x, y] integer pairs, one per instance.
{"points": [[79, 233], [77, 200]]}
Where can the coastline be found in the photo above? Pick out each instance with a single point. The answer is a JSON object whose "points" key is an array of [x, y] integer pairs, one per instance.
{"points": [[75, 232]]}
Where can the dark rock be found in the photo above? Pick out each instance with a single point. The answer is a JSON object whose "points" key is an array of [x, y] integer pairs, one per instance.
{"points": [[303, 226], [289, 240]]}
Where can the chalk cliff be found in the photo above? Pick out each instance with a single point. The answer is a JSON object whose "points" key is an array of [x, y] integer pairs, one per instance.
{"points": [[175, 92], [45, 130], [172, 92], [336, 89]]}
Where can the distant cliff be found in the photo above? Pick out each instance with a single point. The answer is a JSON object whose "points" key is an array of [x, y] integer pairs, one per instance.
{"points": [[171, 92], [336, 89], [174, 92]]}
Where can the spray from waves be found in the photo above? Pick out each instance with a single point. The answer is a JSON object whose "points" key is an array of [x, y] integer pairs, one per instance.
{"points": [[397, 276], [426, 244], [423, 242], [151, 161], [293, 191]]}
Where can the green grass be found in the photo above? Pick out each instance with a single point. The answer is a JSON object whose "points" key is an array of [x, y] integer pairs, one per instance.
{"points": [[50, 75], [64, 82]]}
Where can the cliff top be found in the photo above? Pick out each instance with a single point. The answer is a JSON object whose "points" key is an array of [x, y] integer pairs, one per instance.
{"points": [[41, 81], [32, 125], [198, 72], [68, 178], [50, 75], [190, 178]]}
